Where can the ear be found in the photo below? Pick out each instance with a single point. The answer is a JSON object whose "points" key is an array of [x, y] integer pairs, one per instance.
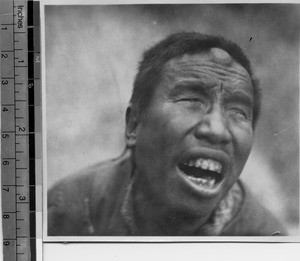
{"points": [[131, 128]]}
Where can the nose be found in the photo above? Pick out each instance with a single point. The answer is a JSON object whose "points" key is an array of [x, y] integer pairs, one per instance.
{"points": [[213, 127]]}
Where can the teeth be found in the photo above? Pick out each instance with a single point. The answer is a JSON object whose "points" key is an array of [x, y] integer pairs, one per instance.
{"points": [[205, 182], [198, 163], [209, 164], [211, 183], [205, 164]]}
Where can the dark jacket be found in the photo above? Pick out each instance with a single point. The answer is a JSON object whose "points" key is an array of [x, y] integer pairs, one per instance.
{"points": [[90, 203]]}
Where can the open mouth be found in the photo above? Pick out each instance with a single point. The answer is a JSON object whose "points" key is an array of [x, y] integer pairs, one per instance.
{"points": [[204, 172]]}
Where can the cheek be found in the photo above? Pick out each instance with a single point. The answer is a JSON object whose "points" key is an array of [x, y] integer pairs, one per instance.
{"points": [[243, 141], [177, 122], [164, 127], [153, 136], [160, 137]]}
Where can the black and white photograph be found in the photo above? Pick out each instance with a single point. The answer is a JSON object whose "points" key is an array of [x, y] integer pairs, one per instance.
{"points": [[171, 121]]}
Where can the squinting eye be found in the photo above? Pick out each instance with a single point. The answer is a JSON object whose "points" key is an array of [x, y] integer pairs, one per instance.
{"points": [[190, 100], [194, 104], [238, 113]]}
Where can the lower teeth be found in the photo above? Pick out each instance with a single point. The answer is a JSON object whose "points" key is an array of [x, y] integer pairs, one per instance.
{"points": [[204, 182]]}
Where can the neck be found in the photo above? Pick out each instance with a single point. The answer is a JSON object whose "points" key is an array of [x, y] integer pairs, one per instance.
{"points": [[146, 216]]}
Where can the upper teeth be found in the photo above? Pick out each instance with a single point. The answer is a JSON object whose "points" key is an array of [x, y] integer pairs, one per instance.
{"points": [[209, 164]]}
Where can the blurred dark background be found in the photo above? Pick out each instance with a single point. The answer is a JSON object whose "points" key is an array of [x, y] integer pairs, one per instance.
{"points": [[92, 54]]}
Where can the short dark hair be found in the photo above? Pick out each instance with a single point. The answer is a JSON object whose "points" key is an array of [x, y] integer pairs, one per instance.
{"points": [[176, 45]]}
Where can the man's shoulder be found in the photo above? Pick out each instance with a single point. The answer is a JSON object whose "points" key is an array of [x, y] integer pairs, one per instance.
{"points": [[253, 219], [71, 200], [79, 184]]}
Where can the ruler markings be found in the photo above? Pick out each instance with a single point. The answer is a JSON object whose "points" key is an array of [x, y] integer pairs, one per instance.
{"points": [[20, 124], [13, 185], [15, 111]]}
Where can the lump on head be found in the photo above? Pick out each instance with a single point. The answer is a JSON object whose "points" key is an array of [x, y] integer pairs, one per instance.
{"points": [[220, 56]]}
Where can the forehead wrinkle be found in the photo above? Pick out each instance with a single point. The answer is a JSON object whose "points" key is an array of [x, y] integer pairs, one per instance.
{"points": [[235, 90], [211, 66], [203, 75]]}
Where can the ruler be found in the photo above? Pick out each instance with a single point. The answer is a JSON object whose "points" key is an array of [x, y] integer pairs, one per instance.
{"points": [[20, 82]]}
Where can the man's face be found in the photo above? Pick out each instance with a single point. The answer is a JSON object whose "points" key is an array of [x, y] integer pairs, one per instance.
{"points": [[197, 135]]}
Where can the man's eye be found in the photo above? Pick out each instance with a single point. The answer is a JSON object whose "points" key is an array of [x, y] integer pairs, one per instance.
{"points": [[194, 103], [236, 112], [190, 100]]}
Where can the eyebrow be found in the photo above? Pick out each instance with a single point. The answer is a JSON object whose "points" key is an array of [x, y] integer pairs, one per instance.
{"points": [[194, 87], [239, 96]]}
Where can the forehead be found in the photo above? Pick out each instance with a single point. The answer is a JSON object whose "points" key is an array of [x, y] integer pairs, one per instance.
{"points": [[214, 67]]}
